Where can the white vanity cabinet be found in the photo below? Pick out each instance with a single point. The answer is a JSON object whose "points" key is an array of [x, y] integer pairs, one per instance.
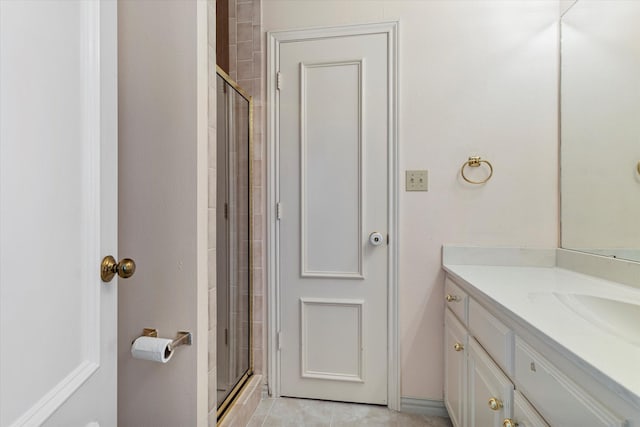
{"points": [[455, 386], [499, 373]]}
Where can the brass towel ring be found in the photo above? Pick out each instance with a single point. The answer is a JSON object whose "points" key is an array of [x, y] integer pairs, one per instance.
{"points": [[474, 162]]}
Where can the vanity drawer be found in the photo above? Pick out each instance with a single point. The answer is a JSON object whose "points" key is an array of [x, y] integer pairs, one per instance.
{"points": [[492, 334], [560, 401], [456, 299]]}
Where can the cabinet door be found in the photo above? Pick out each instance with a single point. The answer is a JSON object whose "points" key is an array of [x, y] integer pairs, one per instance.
{"points": [[524, 415], [455, 373], [488, 386]]}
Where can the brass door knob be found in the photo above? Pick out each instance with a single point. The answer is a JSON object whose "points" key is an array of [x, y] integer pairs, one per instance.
{"points": [[495, 404], [109, 268], [450, 298], [458, 347], [508, 422]]}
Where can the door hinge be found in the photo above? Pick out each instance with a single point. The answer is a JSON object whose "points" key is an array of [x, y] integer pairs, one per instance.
{"points": [[278, 211], [279, 80], [226, 336], [279, 340], [226, 210]]}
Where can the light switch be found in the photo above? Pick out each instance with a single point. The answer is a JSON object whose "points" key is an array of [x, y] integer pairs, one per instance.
{"points": [[417, 180]]}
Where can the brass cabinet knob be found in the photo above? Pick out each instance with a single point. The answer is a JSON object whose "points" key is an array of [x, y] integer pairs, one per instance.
{"points": [[450, 298], [109, 268], [508, 422], [458, 347], [495, 404]]}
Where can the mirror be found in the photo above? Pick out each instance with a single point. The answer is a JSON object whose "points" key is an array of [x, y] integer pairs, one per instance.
{"points": [[600, 128]]}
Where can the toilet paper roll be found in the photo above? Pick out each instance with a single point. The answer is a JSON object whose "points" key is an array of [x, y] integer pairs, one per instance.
{"points": [[151, 348]]}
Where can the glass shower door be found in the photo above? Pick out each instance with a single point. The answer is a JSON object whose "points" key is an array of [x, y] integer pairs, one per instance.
{"points": [[233, 240]]}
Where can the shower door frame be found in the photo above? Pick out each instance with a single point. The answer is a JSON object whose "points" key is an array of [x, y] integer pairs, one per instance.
{"points": [[228, 403], [274, 39]]}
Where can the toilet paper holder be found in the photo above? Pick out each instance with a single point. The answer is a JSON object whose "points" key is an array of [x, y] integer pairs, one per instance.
{"points": [[183, 338]]}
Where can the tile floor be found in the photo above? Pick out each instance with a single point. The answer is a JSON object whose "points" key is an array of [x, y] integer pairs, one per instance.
{"points": [[287, 412]]}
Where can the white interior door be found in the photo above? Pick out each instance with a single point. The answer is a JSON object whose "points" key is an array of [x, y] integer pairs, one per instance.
{"points": [[333, 194], [58, 211]]}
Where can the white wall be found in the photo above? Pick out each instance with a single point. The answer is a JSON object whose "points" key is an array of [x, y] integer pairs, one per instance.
{"points": [[476, 78], [163, 207]]}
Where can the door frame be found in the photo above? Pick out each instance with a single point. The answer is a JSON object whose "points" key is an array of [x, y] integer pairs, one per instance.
{"points": [[274, 41]]}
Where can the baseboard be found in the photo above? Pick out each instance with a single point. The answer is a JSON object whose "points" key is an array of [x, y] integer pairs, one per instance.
{"points": [[434, 408]]}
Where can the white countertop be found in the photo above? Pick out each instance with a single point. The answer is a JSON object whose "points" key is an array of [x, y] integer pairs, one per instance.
{"points": [[531, 293]]}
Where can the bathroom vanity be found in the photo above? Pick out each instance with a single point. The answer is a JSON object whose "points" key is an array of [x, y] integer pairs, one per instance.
{"points": [[531, 340]]}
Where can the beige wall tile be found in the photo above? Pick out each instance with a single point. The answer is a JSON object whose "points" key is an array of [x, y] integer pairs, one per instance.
{"points": [[257, 65], [212, 268], [258, 119], [257, 38], [244, 32], [258, 361], [257, 281], [257, 177], [257, 334], [247, 85], [256, 12], [257, 227], [245, 70], [212, 310], [212, 390], [233, 59], [212, 227], [258, 144], [244, 12], [257, 200], [233, 31], [212, 194], [245, 50]]}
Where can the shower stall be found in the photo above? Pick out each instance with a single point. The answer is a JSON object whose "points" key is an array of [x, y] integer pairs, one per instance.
{"points": [[234, 359]]}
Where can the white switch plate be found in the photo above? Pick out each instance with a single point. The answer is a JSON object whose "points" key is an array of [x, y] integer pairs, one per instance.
{"points": [[417, 180]]}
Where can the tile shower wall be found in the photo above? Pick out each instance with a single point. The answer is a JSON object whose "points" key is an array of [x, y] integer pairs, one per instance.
{"points": [[211, 253], [246, 56]]}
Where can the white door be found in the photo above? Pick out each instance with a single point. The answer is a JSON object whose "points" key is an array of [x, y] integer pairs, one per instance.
{"points": [[58, 211], [333, 188]]}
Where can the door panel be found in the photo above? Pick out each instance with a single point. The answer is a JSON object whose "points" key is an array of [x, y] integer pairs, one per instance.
{"points": [[331, 169], [328, 323], [333, 178], [59, 139]]}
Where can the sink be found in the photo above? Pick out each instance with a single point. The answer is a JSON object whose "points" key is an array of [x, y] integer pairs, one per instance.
{"points": [[616, 316]]}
